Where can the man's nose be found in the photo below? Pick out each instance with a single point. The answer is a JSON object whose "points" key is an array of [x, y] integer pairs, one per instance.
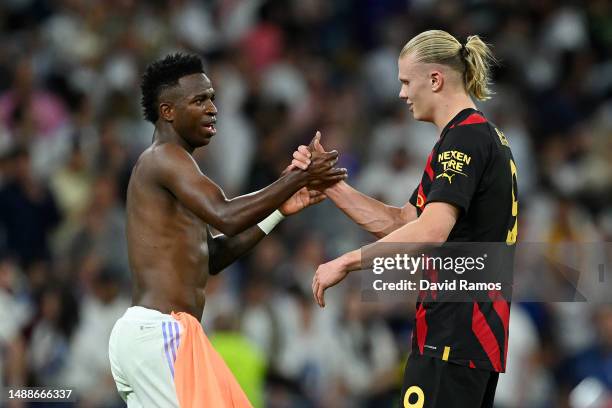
{"points": [[211, 109]]}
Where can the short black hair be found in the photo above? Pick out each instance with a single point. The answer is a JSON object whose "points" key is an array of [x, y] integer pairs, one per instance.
{"points": [[165, 73]]}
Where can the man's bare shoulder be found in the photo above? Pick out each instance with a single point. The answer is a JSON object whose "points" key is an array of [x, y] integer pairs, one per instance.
{"points": [[163, 158], [165, 153], [169, 166]]}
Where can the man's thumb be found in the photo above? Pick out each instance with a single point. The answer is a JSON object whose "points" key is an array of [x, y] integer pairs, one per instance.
{"points": [[318, 146], [314, 141]]}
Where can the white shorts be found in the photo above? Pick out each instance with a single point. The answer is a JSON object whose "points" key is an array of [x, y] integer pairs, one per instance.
{"points": [[142, 351]]}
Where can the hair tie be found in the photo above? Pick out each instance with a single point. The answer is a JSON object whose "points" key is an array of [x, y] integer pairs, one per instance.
{"points": [[463, 50]]}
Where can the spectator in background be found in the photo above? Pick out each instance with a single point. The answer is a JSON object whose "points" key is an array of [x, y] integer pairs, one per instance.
{"points": [[50, 335], [13, 317], [87, 368], [102, 233], [525, 383], [369, 354], [35, 117], [593, 364], [242, 355], [72, 185], [390, 180], [29, 111], [28, 210], [306, 331]]}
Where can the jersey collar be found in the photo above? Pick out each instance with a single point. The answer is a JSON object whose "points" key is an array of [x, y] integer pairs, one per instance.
{"points": [[458, 118]]}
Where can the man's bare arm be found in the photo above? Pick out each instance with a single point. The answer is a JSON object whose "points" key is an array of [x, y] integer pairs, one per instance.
{"points": [[370, 214], [433, 226], [224, 250], [176, 171]]}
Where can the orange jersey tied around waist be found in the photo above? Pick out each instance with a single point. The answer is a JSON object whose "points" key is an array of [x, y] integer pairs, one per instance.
{"points": [[201, 377]]}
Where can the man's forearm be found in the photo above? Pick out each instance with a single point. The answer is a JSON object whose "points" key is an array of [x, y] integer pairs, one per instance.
{"points": [[224, 250], [370, 214], [432, 228], [244, 211], [414, 234]]}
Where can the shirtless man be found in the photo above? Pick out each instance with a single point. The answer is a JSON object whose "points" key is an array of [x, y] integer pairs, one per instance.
{"points": [[158, 351]]}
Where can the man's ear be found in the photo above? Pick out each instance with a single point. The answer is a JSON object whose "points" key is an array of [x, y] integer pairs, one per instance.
{"points": [[436, 79], [166, 111]]}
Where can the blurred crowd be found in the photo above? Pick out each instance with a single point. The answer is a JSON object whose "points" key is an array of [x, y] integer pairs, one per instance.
{"points": [[71, 128]]}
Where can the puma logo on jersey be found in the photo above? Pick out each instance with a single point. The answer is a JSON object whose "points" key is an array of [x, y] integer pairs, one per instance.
{"points": [[449, 177]]}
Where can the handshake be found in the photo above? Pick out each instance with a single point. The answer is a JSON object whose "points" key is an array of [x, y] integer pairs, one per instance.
{"points": [[319, 172], [318, 163]]}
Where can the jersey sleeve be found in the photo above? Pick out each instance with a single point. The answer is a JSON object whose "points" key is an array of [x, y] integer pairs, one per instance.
{"points": [[413, 197], [458, 167]]}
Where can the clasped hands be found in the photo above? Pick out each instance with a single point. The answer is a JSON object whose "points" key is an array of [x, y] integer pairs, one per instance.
{"points": [[318, 165]]}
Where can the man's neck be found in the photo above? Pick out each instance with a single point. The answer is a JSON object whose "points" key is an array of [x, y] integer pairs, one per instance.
{"points": [[165, 133], [451, 106]]}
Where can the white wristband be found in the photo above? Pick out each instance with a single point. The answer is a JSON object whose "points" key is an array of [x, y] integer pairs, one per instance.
{"points": [[270, 222]]}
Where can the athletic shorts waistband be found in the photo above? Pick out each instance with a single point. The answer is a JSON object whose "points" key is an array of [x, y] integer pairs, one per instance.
{"points": [[143, 313]]}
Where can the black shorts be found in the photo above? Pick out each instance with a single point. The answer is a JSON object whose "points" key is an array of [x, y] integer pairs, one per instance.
{"points": [[430, 382]]}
